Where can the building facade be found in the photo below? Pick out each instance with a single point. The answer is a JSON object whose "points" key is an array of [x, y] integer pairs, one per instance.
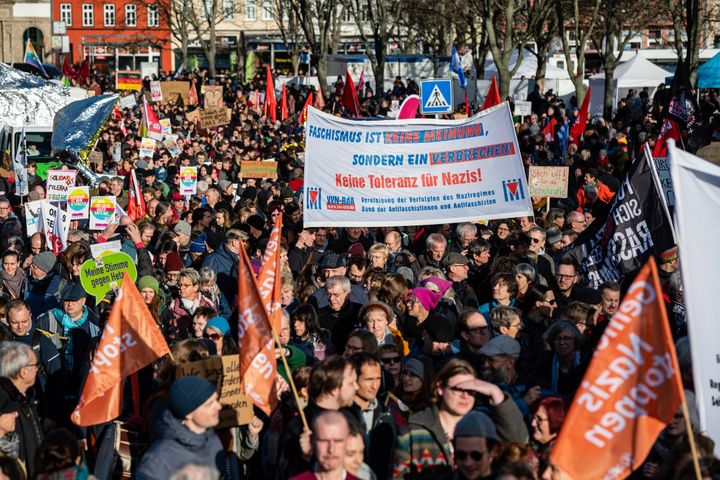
{"points": [[20, 21]]}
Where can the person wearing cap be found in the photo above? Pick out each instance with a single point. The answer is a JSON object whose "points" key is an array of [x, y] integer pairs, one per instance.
{"points": [[332, 265], [412, 392], [475, 444], [170, 271], [458, 268], [347, 237], [425, 443], [183, 230], [669, 262], [45, 284], [197, 249], [18, 372], [186, 431], [177, 207], [437, 338], [217, 330]]}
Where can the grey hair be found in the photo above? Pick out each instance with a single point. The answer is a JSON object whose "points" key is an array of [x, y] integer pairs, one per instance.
{"points": [[207, 276], [14, 356], [527, 271], [435, 239], [285, 315], [117, 180], [193, 471], [503, 316], [426, 272], [202, 186], [338, 281], [466, 227], [537, 229], [235, 234], [554, 331], [575, 214], [191, 274]]}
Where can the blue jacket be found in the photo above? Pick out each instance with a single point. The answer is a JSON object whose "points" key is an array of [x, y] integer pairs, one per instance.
{"points": [[177, 446], [43, 295], [222, 261]]}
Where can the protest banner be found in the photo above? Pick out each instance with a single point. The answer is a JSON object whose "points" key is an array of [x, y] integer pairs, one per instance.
{"points": [[188, 180], [522, 108], [147, 147], [174, 89], [78, 202], [213, 97], [415, 172], [250, 169], [171, 144], [128, 101], [58, 184], [224, 372], [98, 249], [630, 392], [55, 226], [548, 181], [662, 167], [100, 275], [155, 92], [215, 118], [166, 126], [102, 212], [697, 200], [33, 212]]}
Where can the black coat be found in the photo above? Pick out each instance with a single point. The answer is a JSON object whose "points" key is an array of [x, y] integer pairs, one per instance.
{"points": [[28, 423]]}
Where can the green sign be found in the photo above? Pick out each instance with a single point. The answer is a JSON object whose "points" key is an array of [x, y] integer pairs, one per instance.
{"points": [[99, 276]]}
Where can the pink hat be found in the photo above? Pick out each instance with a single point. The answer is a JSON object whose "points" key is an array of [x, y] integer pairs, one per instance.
{"points": [[443, 285], [427, 299]]}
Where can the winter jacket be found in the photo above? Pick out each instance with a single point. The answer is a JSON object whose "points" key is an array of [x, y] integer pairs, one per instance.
{"points": [[182, 318], [44, 294], [178, 446], [27, 423], [222, 261]]}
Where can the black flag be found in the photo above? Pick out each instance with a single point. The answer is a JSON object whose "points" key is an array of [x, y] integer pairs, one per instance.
{"points": [[636, 227]]}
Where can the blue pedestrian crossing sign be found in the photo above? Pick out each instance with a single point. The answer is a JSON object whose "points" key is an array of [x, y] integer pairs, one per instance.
{"points": [[436, 96]]}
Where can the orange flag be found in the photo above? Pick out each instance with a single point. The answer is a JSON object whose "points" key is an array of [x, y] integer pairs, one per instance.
{"points": [[131, 340], [270, 100], [192, 93], [302, 118], [319, 99], [493, 95], [258, 366], [268, 281], [283, 104], [630, 392], [136, 208]]}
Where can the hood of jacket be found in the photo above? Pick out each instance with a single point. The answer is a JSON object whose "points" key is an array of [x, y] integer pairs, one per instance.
{"points": [[169, 427]]}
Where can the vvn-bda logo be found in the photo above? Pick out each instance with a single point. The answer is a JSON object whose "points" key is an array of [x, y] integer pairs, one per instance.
{"points": [[314, 198], [512, 189]]}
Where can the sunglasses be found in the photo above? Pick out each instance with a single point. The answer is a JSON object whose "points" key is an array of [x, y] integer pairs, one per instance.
{"points": [[213, 336], [476, 455], [389, 360]]}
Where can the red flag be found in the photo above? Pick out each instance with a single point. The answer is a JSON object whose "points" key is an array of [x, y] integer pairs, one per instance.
{"points": [[154, 129], [578, 127], [630, 393], [302, 118], [319, 99], [670, 129], [467, 104], [68, 69], [493, 95], [258, 366], [283, 104], [192, 93], [270, 100], [83, 72], [349, 97], [548, 132], [268, 280], [131, 340], [136, 208]]}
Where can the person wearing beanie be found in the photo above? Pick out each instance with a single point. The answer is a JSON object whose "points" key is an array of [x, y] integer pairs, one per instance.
{"points": [[438, 334], [198, 248], [217, 329], [173, 266], [186, 432], [419, 305], [474, 443], [43, 289]]}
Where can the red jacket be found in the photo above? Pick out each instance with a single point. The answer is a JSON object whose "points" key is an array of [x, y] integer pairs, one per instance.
{"points": [[604, 194]]}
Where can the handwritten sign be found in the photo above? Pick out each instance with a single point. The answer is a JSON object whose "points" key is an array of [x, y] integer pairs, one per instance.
{"points": [[59, 183], [224, 372], [662, 165], [250, 169], [215, 118], [548, 181], [522, 108], [172, 90], [128, 101]]}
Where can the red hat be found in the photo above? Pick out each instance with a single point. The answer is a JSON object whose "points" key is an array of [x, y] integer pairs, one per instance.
{"points": [[357, 250], [173, 262], [177, 196]]}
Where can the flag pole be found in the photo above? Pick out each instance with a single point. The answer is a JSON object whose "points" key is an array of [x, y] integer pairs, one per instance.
{"points": [[691, 438], [289, 374]]}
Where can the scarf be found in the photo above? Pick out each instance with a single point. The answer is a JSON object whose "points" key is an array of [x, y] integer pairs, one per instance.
{"points": [[13, 283], [10, 444], [68, 324]]}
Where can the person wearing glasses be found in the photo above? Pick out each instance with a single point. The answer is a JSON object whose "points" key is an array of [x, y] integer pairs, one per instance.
{"points": [[425, 444], [474, 334], [547, 419], [560, 369], [566, 278], [475, 446]]}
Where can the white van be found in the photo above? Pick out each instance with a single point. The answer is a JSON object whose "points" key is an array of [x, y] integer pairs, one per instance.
{"points": [[37, 138]]}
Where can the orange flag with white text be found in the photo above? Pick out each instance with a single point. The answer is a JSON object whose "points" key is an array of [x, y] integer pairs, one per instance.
{"points": [[630, 392], [258, 366], [269, 279], [131, 340]]}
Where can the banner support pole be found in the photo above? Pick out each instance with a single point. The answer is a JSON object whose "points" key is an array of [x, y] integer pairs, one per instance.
{"points": [[691, 438], [289, 374]]}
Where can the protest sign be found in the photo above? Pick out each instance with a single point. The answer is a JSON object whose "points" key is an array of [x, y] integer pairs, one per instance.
{"points": [[58, 184], [98, 249], [55, 225], [147, 147], [249, 169], [418, 172], [193, 115], [548, 181], [78, 202], [188, 180], [172, 90], [100, 275], [213, 97], [32, 216], [128, 101], [166, 126], [215, 118], [171, 144], [102, 212], [224, 372], [155, 92], [522, 108], [662, 167]]}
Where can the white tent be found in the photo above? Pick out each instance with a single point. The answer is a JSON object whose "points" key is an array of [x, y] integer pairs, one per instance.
{"points": [[636, 73]]}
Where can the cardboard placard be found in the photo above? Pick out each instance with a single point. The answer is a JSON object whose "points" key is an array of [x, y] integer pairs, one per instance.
{"points": [[174, 89], [59, 183], [155, 92], [128, 101], [193, 115], [188, 180], [522, 108], [548, 181], [78, 202], [224, 372], [249, 169], [213, 97], [100, 275], [102, 212], [215, 118]]}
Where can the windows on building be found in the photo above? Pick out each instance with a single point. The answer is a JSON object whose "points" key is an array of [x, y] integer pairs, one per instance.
{"points": [[88, 15], [250, 13], [153, 16], [130, 15], [228, 9], [267, 10], [66, 14], [109, 14]]}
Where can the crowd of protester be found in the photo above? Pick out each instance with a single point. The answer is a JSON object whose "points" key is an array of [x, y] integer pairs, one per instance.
{"points": [[438, 351]]}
